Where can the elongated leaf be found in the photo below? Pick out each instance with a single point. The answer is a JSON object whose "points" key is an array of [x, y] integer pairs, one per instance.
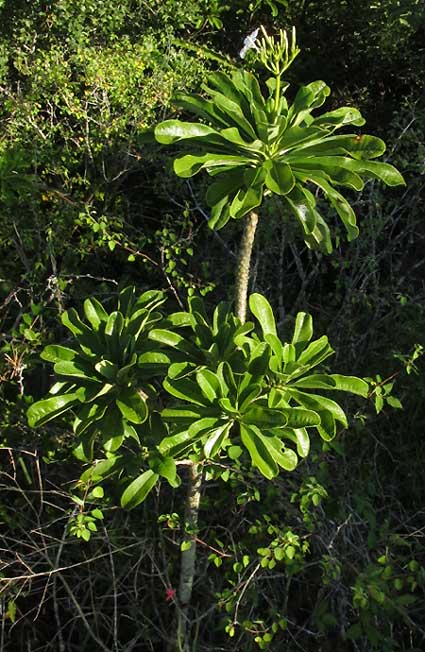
{"points": [[76, 369], [167, 469], [56, 353], [188, 165], [265, 418], [185, 389], [303, 208], [303, 330], [262, 310], [107, 369], [72, 321], [182, 414], [138, 490], [246, 200], [216, 439], [300, 417], [87, 416], [209, 384], [279, 178], [227, 184], [286, 458], [316, 352], [303, 441], [335, 382], [372, 169], [360, 147], [319, 404], [341, 206], [93, 314], [102, 468], [327, 428], [344, 115], [132, 406], [234, 113], [171, 131], [259, 452], [43, 411], [310, 96]]}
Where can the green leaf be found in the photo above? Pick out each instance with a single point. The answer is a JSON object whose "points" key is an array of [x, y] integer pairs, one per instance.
{"points": [[227, 184], [335, 382], [303, 441], [319, 404], [258, 450], [137, 490], [262, 310], [114, 325], [43, 411], [56, 353], [246, 200], [132, 406], [303, 206], [209, 384], [95, 313], [186, 389], [216, 439], [107, 369], [316, 352], [286, 458], [72, 321], [167, 469], [265, 417], [344, 115], [171, 131], [76, 369], [190, 164], [279, 178], [102, 469], [303, 330], [300, 417]]}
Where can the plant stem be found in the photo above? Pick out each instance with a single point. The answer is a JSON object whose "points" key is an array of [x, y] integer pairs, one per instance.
{"points": [[243, 268], [188, 556]]}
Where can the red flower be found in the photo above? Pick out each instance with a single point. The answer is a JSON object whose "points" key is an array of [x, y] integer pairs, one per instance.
{"points": [[169, 594]]}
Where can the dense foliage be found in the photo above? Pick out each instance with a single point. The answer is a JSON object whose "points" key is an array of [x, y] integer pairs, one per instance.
{"points": [[329, 556]]}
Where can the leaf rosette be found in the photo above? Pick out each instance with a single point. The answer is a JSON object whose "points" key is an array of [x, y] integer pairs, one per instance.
{"points": [[99, 378], [255, 145]]}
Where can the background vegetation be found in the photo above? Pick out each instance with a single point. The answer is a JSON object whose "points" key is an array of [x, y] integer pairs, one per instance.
{"points": [[330, 557]]}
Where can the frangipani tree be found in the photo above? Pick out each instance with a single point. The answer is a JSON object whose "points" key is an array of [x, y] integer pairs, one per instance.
{"points": [[151, 391]]}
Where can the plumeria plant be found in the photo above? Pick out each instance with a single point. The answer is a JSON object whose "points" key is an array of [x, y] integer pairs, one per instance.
{"points": [[153, 392]]}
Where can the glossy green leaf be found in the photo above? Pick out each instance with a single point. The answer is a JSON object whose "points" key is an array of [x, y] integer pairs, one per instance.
{"points": [[262, 310], [132, 406], [138, 490], [300, 417], [216, 439], [319, 404], [94, 313], [286, 458], [335, 382], [245, 201], [259, 451], [76, 369], [56, 353], [167, 469], [303, 329], [171, 131], [279, 177], [43, 411]]}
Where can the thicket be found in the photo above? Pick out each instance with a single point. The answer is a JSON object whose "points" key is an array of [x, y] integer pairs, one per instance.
{"points": [[327, 557]]}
